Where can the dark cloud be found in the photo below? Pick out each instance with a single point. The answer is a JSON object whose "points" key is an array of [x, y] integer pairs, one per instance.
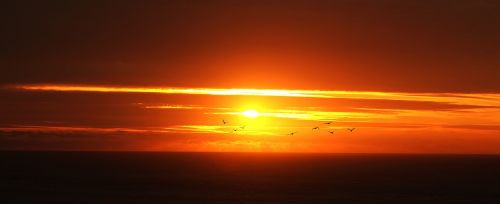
{"points": [[98, 140], [475, 127], [428, 46]]}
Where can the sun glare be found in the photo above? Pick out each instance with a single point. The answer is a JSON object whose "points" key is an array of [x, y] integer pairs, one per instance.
{"points": [[251, 113]]}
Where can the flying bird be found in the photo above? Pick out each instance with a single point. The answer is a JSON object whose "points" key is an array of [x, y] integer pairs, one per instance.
{"points": [[331, 131], [315, 128], [351, 129], [328, 123], [243, 127], [224, 122], [292, 133]]}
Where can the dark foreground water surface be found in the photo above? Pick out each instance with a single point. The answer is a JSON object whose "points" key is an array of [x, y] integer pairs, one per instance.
{"points": [[135, 177]]}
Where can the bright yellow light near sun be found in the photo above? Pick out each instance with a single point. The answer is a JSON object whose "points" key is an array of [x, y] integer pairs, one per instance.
{"points": [[250, 113]]}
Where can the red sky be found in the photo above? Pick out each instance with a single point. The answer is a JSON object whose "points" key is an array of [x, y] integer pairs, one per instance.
{"points": [[413, 76]]}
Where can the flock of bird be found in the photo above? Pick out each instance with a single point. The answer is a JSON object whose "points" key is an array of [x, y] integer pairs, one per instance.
{"points": [[316, 128]]}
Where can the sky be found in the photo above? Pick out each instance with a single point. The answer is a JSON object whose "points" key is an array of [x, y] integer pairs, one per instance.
{"points": [[409, 76]]}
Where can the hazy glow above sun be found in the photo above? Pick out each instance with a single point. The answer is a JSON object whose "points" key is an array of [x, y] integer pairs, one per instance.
{"points": [[251, 113]]}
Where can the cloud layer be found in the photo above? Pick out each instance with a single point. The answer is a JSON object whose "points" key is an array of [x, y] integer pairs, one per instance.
{"points": [[190, 119]]}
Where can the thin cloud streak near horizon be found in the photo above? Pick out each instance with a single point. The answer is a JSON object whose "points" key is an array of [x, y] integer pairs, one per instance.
{"points": [[478, 99]]}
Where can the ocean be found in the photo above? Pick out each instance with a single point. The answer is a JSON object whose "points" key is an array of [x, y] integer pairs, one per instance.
{"points": [[165, 177]]}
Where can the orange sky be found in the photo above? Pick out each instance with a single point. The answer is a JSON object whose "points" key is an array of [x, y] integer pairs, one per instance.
{"points": [[410, 76], [190, 119]]}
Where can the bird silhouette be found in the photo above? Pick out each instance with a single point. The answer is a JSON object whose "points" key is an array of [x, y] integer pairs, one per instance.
{"points": [[315, 128], [351, 129], [331, 131], [328, 123], [224, 122], [243, 127], [292, 133], [235, 129]]}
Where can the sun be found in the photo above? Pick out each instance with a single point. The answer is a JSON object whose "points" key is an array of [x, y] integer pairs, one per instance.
{"points": [[250, 113]]}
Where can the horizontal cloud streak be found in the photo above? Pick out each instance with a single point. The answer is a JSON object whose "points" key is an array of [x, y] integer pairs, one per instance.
{"points": [[312, 115], [490, 100]]}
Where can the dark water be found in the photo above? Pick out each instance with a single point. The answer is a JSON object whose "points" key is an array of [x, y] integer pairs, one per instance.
{"points": [[120, 177]]}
